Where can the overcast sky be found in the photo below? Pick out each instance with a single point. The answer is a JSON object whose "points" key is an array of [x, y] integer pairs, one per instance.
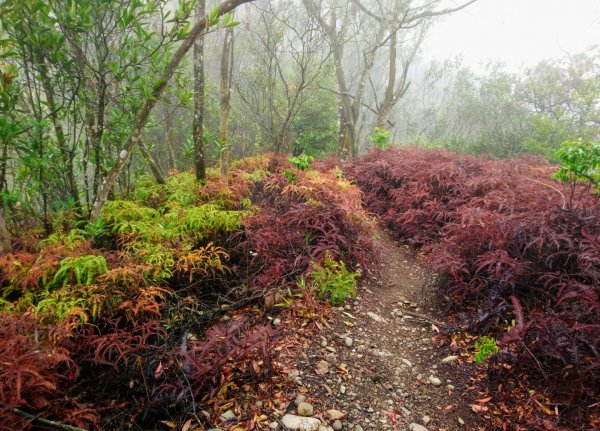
{"points": [[516, 32]]}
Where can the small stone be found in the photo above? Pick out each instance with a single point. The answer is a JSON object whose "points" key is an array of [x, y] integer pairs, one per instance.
{"points": [[293, 422], [417, 427], [335, 414], [426, 420], [258, 404], [435, 381], [274, 426], [376, 317], [305, 409], [337, 425], [323, 367], [460, 421], [299, 399], [342, 389], [348, 341], [449, 359], [450, 387], [228, 416], [406, 362], [277, 321]]}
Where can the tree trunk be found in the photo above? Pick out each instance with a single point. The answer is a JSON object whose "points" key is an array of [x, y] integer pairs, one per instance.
{"points": [[142, 115], [59, 132], [5, 245], [154, 168], [226, 66], [198, 124], [170, 139]]}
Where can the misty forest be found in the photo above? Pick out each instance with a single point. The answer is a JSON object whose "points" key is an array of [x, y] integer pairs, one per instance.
{"points": [[286, 215]]}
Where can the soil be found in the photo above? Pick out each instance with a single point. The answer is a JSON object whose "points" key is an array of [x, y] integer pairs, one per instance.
{"points": [[379, 359]]}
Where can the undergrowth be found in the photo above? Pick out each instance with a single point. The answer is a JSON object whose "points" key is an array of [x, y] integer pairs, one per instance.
{"points": [[513, 244], [161, 294]]}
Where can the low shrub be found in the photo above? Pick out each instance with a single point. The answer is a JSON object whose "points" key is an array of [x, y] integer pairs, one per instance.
{"points": [[498, 230]]}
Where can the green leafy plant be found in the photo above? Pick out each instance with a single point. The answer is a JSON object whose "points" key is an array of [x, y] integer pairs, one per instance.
{"points": [[301, 162], [290, 175], [79, 270], [333, 280], [580, 162], [381, 138], [485, 347]]}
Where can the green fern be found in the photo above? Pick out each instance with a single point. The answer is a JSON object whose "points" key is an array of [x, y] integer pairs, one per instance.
{"points": [[333, 280], [70, 240], [486, 347], [159, 258], [79, 270], [56, 307], [182, 189]]}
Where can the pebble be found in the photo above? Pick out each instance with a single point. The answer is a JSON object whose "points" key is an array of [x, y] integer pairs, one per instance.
{"points": [[305, 409], [335, 414], [449, 359], [299, 399], [277, 321], [337, 425], [228, 416], [426, 419], [323, 367], [274, 426], [417, 427], [348, 341], [435, 381], [406, 362], [294, 422], [376, 317]]}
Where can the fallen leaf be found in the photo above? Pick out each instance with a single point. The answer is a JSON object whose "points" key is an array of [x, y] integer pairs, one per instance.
{"points": [[543, 407], [478, 408], [159, 370], [484, 400], [187, 425], [169, 424]]}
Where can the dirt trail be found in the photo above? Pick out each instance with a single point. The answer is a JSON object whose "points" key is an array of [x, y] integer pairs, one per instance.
{"points": [[381, 362]]}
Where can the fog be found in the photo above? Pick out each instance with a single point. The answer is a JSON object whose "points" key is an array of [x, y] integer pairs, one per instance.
{"points": [[515, 32]]}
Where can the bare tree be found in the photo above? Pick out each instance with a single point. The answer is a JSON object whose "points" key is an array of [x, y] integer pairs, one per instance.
{"points": [[225, 100], [288, 60], [198, 125], [343, 24]]}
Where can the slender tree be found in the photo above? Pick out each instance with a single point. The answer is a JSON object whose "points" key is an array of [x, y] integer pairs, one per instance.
{"points": [[225, 100], [198, 123], [158, 89]]}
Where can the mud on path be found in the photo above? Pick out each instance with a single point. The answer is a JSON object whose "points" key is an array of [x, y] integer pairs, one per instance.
{"points": [[383, 362]]}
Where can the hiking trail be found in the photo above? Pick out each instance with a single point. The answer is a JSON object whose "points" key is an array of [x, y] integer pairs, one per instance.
{"points": [[385, 363]]}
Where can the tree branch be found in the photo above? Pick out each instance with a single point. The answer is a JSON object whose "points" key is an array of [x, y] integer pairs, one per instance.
{"points": [[431, 14]]}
